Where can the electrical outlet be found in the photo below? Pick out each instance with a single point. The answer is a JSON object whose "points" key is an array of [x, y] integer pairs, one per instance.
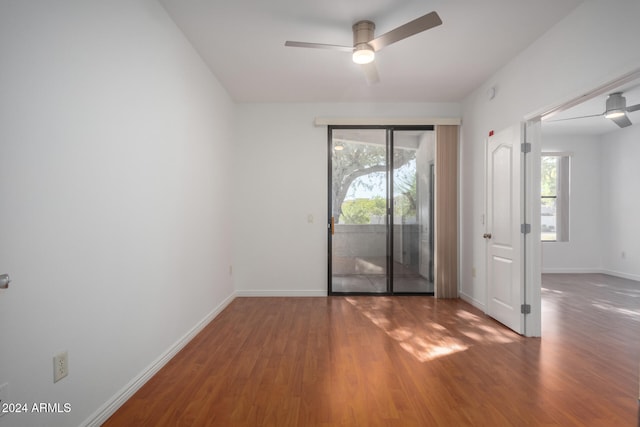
{"points": [[60, 366], [4, 397]]}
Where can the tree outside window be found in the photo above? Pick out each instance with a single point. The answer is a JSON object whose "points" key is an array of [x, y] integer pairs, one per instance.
{"points": [[554, 201]]}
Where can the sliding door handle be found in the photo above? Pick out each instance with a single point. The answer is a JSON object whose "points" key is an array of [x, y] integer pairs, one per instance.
{"points": [[333, 226]]}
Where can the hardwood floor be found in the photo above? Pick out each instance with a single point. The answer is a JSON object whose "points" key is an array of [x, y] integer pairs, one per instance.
{"points": [[405, 361]]}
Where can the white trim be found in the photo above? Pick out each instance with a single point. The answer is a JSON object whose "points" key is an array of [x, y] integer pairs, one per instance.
{"points": [[281, 293], [474, 302], [612, 84], [622, 275], [533, 247], [628, 276], [557, 153], [382, 121], [116, 401], [573, 271]]}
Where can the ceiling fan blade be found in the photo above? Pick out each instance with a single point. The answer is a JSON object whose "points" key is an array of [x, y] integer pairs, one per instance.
{"points": [[416, 26], [319, 46], [573, 118], [622, 121], [633, 108], [371, 73]]}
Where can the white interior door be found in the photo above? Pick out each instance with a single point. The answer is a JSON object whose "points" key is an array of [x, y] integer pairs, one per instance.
{"points": [[503, 234]]}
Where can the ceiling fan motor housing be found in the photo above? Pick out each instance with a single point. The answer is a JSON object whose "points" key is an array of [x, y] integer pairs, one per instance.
{"points": [[616, 103], [363, 33]]}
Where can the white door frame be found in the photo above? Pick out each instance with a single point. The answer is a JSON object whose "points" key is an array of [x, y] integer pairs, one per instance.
{"points": [[533, 246], [532, 264]]}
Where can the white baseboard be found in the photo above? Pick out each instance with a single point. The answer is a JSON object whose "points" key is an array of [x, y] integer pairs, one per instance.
{"points": [[614, 273], [622, 275], [283, 293], [572, 271], [474, 302], [112, 405]]}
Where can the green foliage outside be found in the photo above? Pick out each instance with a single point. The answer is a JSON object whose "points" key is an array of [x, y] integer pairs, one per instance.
{"points": [[405, 201], [359, 211], [360, 166], [549, 179]]}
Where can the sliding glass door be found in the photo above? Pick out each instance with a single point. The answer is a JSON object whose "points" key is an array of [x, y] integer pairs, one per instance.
{"points": [[413, 207], [381, 210], [359, 206]]}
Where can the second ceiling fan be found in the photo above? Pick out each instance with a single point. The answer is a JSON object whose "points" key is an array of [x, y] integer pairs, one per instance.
{"points": [[365, 45], [615, 110]]}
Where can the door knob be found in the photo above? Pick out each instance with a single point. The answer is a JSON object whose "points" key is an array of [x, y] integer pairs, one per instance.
{"points": [[4, 281], [487, 235]]}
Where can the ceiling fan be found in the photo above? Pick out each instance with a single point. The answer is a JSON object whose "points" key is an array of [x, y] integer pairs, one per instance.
{"points": [[365, 45], [616, 110]]}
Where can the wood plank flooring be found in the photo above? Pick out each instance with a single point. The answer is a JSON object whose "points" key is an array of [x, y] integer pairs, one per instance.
{"points": [[405, 361]]}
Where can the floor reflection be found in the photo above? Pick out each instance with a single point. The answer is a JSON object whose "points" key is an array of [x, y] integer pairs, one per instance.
{"points": [[428, 339]]}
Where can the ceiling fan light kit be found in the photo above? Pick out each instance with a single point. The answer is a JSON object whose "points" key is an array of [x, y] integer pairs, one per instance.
{"points": [[616, 105], [365, 45], [362, 35], [363, 54], [613, 114]]}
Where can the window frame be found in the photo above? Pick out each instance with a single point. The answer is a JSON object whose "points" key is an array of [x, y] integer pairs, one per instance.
{"points": [[562, 195]]}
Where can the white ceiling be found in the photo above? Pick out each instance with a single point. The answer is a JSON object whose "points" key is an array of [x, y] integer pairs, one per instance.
{"points": [[242, 41]]}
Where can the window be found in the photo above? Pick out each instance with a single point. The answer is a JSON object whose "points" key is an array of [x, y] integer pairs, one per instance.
{"points": [[554, 201]]}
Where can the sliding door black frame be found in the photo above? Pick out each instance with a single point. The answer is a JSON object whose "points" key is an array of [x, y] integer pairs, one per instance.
{"points": [[389, 204]]}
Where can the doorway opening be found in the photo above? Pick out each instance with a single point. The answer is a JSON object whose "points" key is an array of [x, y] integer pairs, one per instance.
{"points": [[381, 209], [572, 255]]}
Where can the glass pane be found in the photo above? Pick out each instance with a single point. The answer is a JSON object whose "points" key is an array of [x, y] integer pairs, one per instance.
{"points": [[359, 205], [413, 172], [548, 191], [548, 224]]}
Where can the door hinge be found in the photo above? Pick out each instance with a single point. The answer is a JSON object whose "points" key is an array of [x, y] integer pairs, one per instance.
{"points": [[525, 309], [525, 147], [525, 228]]}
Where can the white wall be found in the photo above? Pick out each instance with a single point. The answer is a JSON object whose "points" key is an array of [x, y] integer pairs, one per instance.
{"points": [[621, 202], [117, 190], [280, 178], [582, 253], [604, 206], [573, 57], [114, 198]]}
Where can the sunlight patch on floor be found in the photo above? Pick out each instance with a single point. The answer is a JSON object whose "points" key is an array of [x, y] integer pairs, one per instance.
{"points": [[429, 339], [496, 334], [633, 315], [424, 346], [629, 293]]}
